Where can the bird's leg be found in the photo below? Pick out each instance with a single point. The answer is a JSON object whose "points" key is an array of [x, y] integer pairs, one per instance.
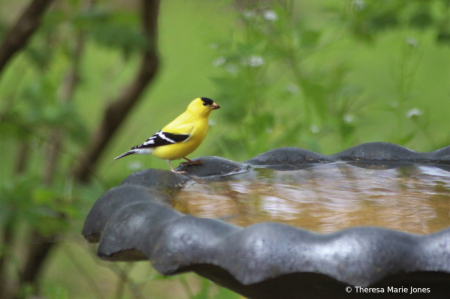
{"points": [[190, 162], [173, 170], [170, 165]]}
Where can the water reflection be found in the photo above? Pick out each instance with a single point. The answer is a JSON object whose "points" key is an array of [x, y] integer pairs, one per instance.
{"points": [[328, 197]]}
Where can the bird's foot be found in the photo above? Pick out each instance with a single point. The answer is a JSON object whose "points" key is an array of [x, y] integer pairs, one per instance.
{"points": [[190, 162]]}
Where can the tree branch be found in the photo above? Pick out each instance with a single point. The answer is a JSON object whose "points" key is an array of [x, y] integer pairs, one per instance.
{"points": [[27, 24], [116, 112], [68, 89], [7, 240], [8, 229], [38, 250]]}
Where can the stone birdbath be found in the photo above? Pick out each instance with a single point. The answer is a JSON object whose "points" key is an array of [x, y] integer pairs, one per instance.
{"points": [[372, 221]]}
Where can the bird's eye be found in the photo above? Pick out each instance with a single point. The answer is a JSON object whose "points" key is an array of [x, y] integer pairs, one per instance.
{"points": [[204, 104]]}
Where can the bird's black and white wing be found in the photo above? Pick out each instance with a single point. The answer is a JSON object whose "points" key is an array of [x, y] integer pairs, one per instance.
{"points": [[162, 138], [159, 139]]}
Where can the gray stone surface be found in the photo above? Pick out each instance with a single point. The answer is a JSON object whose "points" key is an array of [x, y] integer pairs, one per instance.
{"points": [[160, 180], [269, 260], [288, 158], [213, 167]]}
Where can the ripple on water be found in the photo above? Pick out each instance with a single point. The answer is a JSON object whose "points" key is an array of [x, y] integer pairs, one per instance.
{"points": [[327, 198]]}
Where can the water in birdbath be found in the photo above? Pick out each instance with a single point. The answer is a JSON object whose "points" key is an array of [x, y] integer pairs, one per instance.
{"points": [[327, 198]]}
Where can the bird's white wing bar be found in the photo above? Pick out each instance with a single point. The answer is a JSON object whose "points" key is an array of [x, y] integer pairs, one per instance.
{"points": [[162, 138], [159, 139]]}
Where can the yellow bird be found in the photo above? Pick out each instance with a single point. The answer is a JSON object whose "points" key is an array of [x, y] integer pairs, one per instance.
{"points": [[180, 137]]}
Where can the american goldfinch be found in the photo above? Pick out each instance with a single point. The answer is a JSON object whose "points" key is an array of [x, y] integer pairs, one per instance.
{"points": [[180, 137]]}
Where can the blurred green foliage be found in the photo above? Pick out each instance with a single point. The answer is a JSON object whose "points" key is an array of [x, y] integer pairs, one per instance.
{"points": [[322, 75], [266, 75]]}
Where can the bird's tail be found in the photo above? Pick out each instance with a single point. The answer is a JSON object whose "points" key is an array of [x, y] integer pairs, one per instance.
{"points": [[141, 151], [124, 154]]}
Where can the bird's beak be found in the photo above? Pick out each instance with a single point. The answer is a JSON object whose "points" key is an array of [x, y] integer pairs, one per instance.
{"points": [[214, 106]]}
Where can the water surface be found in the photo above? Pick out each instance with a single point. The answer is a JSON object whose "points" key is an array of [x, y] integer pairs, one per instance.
{"points": [[327, 198]]}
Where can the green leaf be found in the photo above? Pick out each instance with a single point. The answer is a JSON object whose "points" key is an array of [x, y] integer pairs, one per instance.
{"points": [[310, 38], [224, 293], [3, 29], [407, 138], [56, 292], [317, 95], [443, 37], [261, 122], [204, 291], [119, 36], [54, 18], [43, 196], [113, 30], [384, 21], [421, 19], [87, 19]]}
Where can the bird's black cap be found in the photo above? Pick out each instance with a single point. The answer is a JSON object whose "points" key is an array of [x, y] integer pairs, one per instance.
{"points": [[207, 101]]}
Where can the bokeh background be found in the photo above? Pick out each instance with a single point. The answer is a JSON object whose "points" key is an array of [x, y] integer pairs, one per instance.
{"points": [[81, 81]]}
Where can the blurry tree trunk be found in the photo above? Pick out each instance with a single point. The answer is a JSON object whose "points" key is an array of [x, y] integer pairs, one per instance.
{"points": [[40, 246], [116, 112], [56, 137], [7, 242], [23, 157], [25, 26], [8, 228]]}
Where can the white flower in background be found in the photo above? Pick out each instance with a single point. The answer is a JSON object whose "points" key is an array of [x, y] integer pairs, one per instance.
{"points": [[231, 68], [134, 165], [292, 88], [348, 118], [211, 122], [219, 61], [413, 112], [314, 129], [213, 46], [253, 61], [412, 41], [256, 60], [270, 15], [248, 14], [359, 4]]}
